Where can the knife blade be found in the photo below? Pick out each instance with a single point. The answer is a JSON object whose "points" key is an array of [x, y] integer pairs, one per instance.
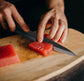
{"points": [[32, 36]]}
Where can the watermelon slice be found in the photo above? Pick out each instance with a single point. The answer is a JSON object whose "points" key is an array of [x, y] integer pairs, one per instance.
{"points": [[8, 55], [57, 41], [43, 48]]}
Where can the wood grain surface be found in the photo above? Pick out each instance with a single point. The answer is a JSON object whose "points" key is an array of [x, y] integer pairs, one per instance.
{"points": [[74, 74], [34, 66]]}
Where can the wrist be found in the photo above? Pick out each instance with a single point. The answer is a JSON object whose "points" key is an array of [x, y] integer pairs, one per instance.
{"points": [[60, 7], [57, 4]]}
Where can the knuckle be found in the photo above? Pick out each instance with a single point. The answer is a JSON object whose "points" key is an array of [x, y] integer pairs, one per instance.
{"points": [[4, 10], [19, 19], [23, 25], [12, 5]]}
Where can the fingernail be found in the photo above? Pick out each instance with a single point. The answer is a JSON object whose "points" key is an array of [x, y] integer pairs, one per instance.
{"points": [[26, 29], [12, 29], [40, 40]]}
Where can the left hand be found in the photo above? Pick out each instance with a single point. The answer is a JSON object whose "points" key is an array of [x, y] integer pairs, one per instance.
{"points": [[59, 26]]}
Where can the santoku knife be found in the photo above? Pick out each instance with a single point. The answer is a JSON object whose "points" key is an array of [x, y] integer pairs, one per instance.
{"points": [[32, 36]]}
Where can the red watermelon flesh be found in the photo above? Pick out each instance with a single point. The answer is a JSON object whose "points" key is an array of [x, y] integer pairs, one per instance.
{"points": [[43, 48], [8, 55]]}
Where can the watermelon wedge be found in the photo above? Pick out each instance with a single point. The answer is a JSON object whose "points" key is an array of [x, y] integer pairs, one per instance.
{"points": [[8, 55], [43, 48]]}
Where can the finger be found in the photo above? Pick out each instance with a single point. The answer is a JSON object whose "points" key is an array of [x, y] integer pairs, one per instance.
{"points": [[4, 25], [11, 23], [9, 20], [59, 31], [20, 20], [65, 32], [2, 22], [42, 26], [1, 17], [54, 29], [64, 35], [42, 17]]}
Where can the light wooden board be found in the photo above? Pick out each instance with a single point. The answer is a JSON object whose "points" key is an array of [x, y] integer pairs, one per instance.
{"points": [[34, 66]]}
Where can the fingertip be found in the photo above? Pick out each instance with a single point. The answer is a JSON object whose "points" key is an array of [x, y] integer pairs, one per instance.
{"points": [[25, 28], [50, 36], [12, 29], [54, 40], [40, 40], [62, 41]]}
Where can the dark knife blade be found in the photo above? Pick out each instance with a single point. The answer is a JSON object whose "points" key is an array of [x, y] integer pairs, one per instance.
{"points": [[32, 36]]}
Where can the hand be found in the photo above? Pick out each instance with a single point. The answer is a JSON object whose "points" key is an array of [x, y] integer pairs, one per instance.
{"points": [[59, 27], [7, 13]]}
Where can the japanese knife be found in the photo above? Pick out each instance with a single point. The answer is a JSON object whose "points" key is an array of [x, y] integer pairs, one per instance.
{"points": [[33, 37]]}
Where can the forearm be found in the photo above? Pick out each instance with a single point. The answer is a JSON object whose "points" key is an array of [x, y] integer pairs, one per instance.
{"points": [[55, 3]]}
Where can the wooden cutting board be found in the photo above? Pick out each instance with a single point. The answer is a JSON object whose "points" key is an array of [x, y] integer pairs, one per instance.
{"points": [[35, 67]]}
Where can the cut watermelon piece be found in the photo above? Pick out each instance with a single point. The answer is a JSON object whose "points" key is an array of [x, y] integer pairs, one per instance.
{"points": [[57, 41], [8, 55], [43, 48], [45, 35]]}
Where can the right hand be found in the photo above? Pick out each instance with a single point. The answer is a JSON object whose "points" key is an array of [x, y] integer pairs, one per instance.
{"points": [[7, 12]]}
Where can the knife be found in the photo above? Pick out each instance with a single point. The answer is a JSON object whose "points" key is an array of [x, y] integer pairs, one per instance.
{"points": [[32, 36]]}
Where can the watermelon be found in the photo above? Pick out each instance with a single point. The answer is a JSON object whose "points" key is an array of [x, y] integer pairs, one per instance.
{"points": [[8, 55], [43, 48]]}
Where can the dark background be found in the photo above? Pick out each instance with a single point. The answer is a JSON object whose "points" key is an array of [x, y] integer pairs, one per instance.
{"points": [[31, 11], [74, 10]]}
